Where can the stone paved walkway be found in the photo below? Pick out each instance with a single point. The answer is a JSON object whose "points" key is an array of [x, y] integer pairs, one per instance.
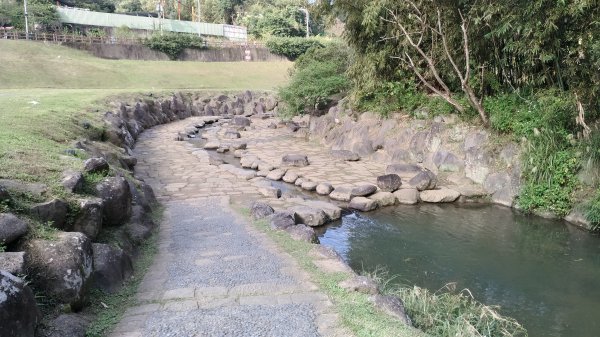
{"points": [[215, 275]]}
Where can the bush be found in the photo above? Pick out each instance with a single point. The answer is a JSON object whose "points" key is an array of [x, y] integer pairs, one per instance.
{"points": [[292, 47], [592, 212], [173, 44], [550, 165], [520, 115], [316, 76]]}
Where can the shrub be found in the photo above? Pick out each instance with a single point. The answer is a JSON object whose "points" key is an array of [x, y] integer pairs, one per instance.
{"points": [[520, 115], [592, 212], [173, 44], [316, 76], [292, 47], [550, 165]]}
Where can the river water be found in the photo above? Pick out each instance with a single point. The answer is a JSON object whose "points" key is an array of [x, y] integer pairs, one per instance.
{"points": [[544, 273]]}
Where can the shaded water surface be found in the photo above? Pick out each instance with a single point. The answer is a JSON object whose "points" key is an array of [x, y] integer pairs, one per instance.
{"points": [[544, 273]]}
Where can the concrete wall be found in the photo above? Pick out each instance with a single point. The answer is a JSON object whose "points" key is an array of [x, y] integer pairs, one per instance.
{"points": [[139, 52]]}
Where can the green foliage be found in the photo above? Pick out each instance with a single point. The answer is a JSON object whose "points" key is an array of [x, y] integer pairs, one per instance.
{"points": [[42, 14], [550, 165], [292, 47], [275, 18], [592, 211], [518, 115], [94, 5], [42, 231], [317, 75], [174, 43], [590, 148], [451, 313], [90, 180]]}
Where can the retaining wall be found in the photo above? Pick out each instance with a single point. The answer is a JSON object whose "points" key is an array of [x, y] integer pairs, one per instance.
{"points": [[139, 52]]}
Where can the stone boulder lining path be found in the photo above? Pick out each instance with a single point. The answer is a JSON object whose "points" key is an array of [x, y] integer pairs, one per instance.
{"points": [[215, 274]]}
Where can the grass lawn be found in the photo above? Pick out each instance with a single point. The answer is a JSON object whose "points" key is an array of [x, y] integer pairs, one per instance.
{"points": [[47, 91]]}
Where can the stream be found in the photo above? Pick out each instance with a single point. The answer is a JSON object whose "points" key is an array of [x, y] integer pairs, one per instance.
{"points": [[543, 273]]}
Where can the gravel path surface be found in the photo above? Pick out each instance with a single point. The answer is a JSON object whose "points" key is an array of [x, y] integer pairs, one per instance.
{"points": [[215, 274]]}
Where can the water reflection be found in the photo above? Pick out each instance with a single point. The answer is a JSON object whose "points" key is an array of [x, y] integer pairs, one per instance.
{"points": [[544, 273]]}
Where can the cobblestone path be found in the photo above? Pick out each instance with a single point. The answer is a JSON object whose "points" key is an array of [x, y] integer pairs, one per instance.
{"points": [[214, 274]]}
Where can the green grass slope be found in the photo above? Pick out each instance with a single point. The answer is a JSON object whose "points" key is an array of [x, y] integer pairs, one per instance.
{"points": [[39, 65], [47, 90]]}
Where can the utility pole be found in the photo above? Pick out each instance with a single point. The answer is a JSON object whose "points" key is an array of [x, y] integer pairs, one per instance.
{"points": [[26, 22], [307, 19], [198, 14]]}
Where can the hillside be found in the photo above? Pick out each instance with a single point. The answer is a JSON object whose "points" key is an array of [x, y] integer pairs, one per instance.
{"points": [[47, 90], [38, 65]]}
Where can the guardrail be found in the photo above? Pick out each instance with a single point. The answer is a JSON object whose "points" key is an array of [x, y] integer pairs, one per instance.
{"points": [[78, 38]]}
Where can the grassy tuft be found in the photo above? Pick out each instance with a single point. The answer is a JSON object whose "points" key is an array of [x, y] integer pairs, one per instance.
{"points": [[451, 313], [42, 231]]}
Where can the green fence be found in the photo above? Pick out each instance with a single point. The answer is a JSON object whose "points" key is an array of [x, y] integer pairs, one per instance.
{"points": [[89, 18]]}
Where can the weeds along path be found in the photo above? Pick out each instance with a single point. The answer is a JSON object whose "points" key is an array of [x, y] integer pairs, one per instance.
{"points": [[214, 275]]}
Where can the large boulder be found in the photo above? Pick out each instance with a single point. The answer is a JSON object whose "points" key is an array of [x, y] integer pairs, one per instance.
{"points": [[270, 192], [65, 325], [363, 204], [61, 268], [447, 161], [324, 188], [35, 189], [72, 181], [276, 174], [404, 170], [19, 314], [332, 211], [54, 212], [95, 165], [384, 198], [392, 306], [363, 190], [115, 193], [408, 196], [389, 182], [441, 195], [247, 161], [261, 210], [345, 155], [11, 228], [302, 232], [232, 135], [341, 194], [309, 185], [13, 262], [282, 220], [112, 266], [298, 160], [241, 121], [290, 177], [425, 180], [501, 188], [309, 216], [4, 195], [89, 218]]}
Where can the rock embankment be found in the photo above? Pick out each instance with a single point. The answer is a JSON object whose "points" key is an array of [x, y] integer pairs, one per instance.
{"points": [[55, 242]]}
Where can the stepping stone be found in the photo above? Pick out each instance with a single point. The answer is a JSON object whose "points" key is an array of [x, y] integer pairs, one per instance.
{"points": [[363, 204]]}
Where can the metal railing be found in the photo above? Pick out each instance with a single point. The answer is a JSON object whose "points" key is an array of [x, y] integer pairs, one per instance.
{"points": [[79, 38]]}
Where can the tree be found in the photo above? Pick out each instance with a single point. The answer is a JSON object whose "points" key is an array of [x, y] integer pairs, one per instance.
{"points": [[423, 33]]}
